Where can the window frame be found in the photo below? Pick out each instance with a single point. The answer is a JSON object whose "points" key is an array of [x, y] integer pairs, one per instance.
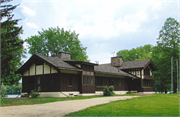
{"points": [[99, 82], [38, 80], [70, 81]]}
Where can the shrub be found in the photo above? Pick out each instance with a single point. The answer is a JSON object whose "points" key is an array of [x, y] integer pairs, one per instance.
{"points": [[111, 89], [35, 93], [108, 91]]}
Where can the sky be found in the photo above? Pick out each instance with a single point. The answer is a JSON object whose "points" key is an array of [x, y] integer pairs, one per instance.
{"points": [[104, 26]]}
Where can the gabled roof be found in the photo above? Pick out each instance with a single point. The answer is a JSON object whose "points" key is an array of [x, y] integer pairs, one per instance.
{"points": [[59, 63], [79, 62], [108, 69], [138, 64], [56, 62]]}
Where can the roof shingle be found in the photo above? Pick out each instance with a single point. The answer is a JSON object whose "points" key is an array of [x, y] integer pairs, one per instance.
{"points": [[59, 63], [108, 69], [134, 64]]}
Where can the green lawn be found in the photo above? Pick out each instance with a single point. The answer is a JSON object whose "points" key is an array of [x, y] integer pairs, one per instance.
{"points": [[155, 105], [15, 102]]}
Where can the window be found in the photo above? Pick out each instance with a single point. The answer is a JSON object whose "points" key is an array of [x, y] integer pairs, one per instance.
{"points": [[91, 80], [38, 80], [70, 81], [50, 81], [147, 71], [111, 82], [87, 67], [84, 79], [88, 80], [99, 82], [91, 68], [119, 82]]}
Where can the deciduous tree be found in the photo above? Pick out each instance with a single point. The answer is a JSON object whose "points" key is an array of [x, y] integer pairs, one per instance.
{"points": [[139, 53], [49, 42], [167, 47]]}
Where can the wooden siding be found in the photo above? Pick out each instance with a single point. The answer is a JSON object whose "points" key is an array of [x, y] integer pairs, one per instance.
{"points": [[88, 88], [117, 87], [64, 82], [30, 83], [147, 77], [150, 89]]}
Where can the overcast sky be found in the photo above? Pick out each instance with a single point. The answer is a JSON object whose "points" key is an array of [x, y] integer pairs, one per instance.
{"points": [[104, 26]]}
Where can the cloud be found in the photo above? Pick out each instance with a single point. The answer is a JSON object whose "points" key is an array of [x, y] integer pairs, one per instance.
{"points": [[32, 25], [28, 11], [104, 26]]}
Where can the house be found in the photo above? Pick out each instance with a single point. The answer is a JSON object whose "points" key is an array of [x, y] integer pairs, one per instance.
{"points": [[60, 76]]}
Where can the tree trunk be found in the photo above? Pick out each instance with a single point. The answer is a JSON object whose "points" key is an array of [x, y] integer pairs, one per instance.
{"points": [[165, 90], [175, 87]]}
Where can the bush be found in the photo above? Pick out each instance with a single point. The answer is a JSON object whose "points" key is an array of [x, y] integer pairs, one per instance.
{"points": [[35, 93], [108, 91], [111, 89]]}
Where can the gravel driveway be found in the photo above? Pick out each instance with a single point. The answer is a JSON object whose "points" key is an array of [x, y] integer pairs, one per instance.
{"points": [[56, 109]]}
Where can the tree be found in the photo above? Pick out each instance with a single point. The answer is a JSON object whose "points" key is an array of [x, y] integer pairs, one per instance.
{"points": [[140, 53], [50, 42], [167, 47], [11, 45]]}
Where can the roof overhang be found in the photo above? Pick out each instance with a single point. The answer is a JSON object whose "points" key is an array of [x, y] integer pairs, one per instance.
{"points": [[30, 61], [151, 65], [108, 74]]}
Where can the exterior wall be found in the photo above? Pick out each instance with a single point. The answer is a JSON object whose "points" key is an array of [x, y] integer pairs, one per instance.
{"points": [[120, 92], [149, 89], [117, 87], [58, 94], [115, 92], [64, 55], [88, 88], [48, 83], [26, 73], [68, 71], [46, 69], [142, 73], [116, 61], [147, 92], [39, 69], [32, 69], [53, 70], [64, 82]]}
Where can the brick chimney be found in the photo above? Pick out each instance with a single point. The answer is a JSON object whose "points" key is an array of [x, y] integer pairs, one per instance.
{"points": [[116, 61], [64, 55]]}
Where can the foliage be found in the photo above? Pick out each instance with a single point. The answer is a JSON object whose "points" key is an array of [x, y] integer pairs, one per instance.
{"points": [[11, 89], [3, 96], [3, 90], [51, 41], [156, 105], [108, 91], [35, 93], [167, 47], [139, 53], [11, 45]]}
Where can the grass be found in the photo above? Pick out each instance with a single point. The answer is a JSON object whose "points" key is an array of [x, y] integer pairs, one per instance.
{"points": [[40, 100], [155, 105]]}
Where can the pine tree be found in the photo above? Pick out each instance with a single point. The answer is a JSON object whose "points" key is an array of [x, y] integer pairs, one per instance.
{"points": [[11, 45]]}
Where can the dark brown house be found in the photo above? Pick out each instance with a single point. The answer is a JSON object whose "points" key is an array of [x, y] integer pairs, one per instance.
{"points": [[60, 76]]}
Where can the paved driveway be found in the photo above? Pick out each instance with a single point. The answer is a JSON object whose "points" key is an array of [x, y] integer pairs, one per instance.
{"points": [[56, 109]]}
